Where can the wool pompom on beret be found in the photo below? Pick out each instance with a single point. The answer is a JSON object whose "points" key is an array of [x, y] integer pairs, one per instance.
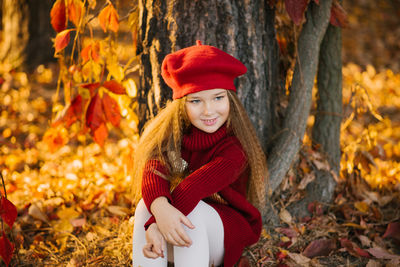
{"points": [[200, 67]]}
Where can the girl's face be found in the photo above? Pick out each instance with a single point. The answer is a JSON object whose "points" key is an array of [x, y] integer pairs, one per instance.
{"points": [[208, 110]]}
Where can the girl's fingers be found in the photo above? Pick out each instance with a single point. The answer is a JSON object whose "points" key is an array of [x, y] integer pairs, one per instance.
{"points": [[184, 237], [147, 252], [187, 222]]}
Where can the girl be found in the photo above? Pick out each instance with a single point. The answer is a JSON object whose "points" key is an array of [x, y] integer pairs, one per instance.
{"points": [[202, 168]]}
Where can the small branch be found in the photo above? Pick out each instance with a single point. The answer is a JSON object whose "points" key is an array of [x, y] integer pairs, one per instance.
{"points": [[4, 186]]}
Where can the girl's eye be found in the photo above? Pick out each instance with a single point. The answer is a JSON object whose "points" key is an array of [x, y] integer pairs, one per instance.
{"points": [[219, 97], [194, 101]]}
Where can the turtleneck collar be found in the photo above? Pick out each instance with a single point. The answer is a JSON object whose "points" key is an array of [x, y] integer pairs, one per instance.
{"points": [[197, 140]]}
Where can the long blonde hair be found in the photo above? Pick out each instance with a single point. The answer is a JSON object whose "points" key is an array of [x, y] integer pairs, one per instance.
{"points": [[164, 134]]}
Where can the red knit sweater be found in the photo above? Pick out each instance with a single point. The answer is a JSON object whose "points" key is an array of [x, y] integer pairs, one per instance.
{"points": [[217, 163]]}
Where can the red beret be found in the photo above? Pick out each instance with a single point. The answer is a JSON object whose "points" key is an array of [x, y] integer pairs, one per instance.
{"points": [[200, 67]]}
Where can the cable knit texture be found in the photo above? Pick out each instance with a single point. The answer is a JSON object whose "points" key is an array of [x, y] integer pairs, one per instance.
{"points": [[217, 164]]}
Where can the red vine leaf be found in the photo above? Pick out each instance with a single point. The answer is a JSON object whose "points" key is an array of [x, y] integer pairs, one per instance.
{"points": [[338, 15], [111, 110], [296, 9], [91, 52], [62, 40], [94, 113], [100, 134], [115, 87], [75, 11], [108, 18], [58, 16], [91, 86], [6, 249], [74, 111], [8, 211]]}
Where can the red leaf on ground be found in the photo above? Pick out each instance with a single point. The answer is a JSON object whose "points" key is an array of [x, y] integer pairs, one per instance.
{"points": [[243, 262], [62, 40], [95, 113], [115, 87], [108, 18], [57, 15], [289, 232], [338, 15], [320, 247], [280, 255], [111, 110], [362, 252], [6, 249], [353, 249], [296, 9], [8, 211], [393, 231], [381, 253]]}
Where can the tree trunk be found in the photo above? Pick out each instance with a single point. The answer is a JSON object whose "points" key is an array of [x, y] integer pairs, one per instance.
{"points": [[15, 33], [326, 129], [288, 144], [245, 31], [27, 32]]}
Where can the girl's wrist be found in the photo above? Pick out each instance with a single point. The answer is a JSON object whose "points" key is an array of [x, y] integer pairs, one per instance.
{"points": [[158, 203]]}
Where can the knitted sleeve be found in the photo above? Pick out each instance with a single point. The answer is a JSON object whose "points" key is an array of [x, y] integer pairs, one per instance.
{"points": [[154, 182], [212, 177]]}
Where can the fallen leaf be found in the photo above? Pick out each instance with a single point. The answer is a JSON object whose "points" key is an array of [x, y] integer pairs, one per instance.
{"points": [[37, 213], [300, 259], [393, 231], [372, 263], [289, 232], [244, 262], [285, 216], [361, 206], [320, 247], [381, 253], [118, 210]]}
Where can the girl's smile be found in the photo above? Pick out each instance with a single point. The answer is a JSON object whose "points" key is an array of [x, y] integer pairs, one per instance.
{"points": [[208, 110]]}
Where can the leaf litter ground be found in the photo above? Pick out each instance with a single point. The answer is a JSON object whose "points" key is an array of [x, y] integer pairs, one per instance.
{"points": [[75, 208]]}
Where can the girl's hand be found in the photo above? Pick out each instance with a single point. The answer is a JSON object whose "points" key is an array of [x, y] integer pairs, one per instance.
{"points": [[169, 221], [155, 242]]}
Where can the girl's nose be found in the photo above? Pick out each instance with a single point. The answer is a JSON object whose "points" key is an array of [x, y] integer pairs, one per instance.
{"points": [[207, 108]]}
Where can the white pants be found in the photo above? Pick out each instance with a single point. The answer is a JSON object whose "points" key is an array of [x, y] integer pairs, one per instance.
{"points": [[207, 240]]}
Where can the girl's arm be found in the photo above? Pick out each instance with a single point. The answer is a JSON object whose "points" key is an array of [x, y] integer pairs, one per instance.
{"points": [[211, 178], [169, 221]]}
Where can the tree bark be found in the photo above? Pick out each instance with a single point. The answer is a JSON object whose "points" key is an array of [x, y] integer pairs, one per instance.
{"points": [[287, 145], [27, 32], [244, 30], [326, 129], [15, 33]]}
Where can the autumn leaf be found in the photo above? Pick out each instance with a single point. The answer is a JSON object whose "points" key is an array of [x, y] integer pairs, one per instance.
{"points": [[381, 253], [6, 249], [62, 40], [338, 15], [95, 113], [108, 18], [58, 16], [75, 11], [55, 138], [100, 134], [320, 247], [296, 9], [91, 86], [111, 110], [91, 52], [74, 111], [8, 211], [115, 87], [393, 231]]}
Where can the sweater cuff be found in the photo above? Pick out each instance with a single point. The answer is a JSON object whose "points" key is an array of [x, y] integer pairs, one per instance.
{"points": [[149, 222]]}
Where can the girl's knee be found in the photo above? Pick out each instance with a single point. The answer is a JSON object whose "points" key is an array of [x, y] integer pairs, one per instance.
{"points": [[141, 212]]}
